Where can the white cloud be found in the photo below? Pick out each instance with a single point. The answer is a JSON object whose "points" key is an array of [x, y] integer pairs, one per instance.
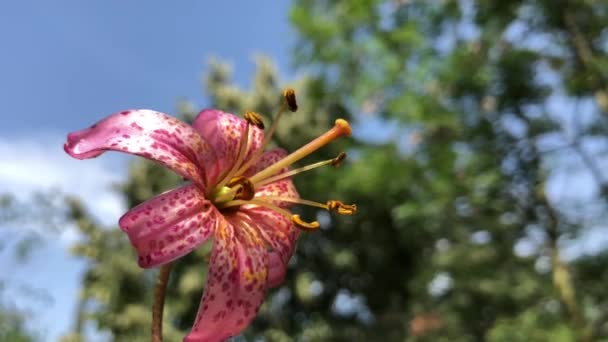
{"points": [[38, 163]]}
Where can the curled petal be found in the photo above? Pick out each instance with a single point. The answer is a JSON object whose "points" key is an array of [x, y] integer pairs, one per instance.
{"points": [[283, 187], [235, 287], [149, 134], [170, 225], [223, 131], [278, 232]]}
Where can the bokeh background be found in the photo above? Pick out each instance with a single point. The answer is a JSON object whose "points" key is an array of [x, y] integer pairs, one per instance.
{"points": [[478, 163]]}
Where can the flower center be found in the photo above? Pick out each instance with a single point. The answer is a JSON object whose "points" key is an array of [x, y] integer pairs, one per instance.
{"points": [[234, 189]]}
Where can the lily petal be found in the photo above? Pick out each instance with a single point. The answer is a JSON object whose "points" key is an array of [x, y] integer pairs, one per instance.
{"points": [[223, 131], [149, 134], [235, 287], [278, 232], [276, 269], [170, 225], [283, 187]]}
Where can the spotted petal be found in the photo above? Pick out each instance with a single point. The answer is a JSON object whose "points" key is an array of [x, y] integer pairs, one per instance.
{"points": [[279, 233], [235, 287], [223, 131], [283, 187], [276, 269], [149, 134], [170, 225]]}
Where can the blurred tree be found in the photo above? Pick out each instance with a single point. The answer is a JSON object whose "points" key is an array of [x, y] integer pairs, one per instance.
{"points": [[12, 326], [491, 100], [479, 108]]}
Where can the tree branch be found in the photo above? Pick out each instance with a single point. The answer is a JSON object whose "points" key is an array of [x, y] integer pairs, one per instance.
{"points": [[585, 55]]}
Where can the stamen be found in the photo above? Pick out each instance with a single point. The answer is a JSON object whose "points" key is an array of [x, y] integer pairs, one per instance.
{"points": [[341, 208], [339, 159], [244, 189], [303, 225], [333, 162], [257, 202], [293, 200], [295, 219], [340, 128], [242, 149], [335, 206], [254, 119], [290, 97]]}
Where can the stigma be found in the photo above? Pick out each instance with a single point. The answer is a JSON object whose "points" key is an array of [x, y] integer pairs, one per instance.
{"points": [[234, 189]]}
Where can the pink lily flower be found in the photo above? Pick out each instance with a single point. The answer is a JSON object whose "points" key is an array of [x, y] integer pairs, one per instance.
{"points": [[237, 193]]}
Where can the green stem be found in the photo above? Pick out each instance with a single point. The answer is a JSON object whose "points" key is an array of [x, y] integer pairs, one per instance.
{"points": [[159, 302]]}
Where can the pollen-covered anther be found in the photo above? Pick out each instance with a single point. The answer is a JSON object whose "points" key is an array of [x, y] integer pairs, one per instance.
{"points": [[341, 208], [245, 189], [290, 98], [337, 161], [303, 225], [254, 119]]}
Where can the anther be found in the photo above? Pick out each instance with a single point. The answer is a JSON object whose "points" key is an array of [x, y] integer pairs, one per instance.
{"points": [[341, 208], [290, 98], [254, 119], [307, 226], [338, 159], [245, 189]]}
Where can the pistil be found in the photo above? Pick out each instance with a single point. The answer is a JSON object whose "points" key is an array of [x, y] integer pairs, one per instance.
{"points": [[341, 128]]}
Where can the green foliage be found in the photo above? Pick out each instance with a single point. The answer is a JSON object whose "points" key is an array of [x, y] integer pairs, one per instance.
{"points": [[434, 253], [473, 107], [12, 329], [12, 322]]}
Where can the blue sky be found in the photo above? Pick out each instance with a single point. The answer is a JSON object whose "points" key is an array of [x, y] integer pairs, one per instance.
{"points": [[67, 63]]}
